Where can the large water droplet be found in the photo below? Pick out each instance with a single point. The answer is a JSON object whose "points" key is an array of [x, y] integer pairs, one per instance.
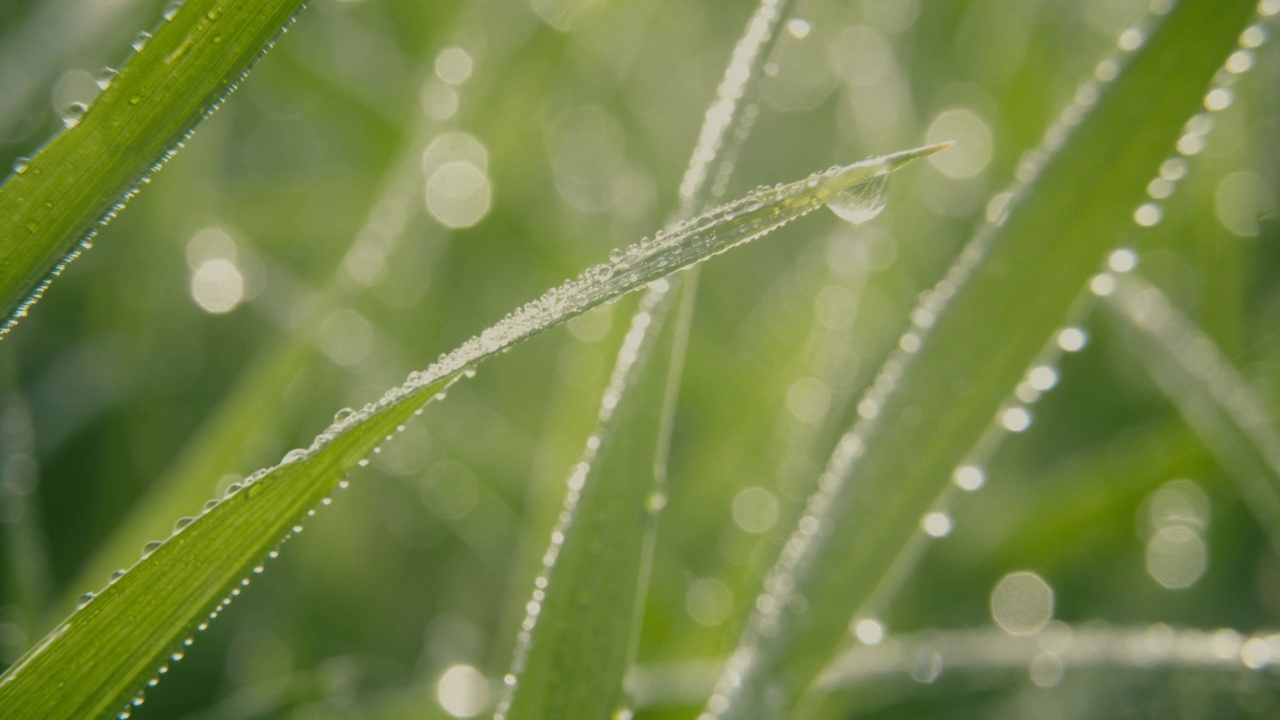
{"points": [[863, 201], [73, 113]]}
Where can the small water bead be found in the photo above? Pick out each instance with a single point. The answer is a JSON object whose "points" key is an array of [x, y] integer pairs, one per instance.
{"points": [[21, 164], [343, 415], [1072, 339], [1148, 214], [151, 547], [1022, 603], [1015, 419], [116, 576], [140, 40], [1240, 61], [863, 201], [1042, 378], [1131, 39], [969, 478], [1218, 99], [1252, 37], [1106, 71], [1159, 188], [171, 9], [84, 599], [1173, 169], [74, 112], [182, 523], [798, 28], [869, 631], [1267, 8], [1102, 284], [936, 524]]}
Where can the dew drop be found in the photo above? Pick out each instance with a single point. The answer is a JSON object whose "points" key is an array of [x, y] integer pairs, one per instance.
{"points": [[863, 201], [182, 523], [969, 478], [116, 576], [616, 255], [140, 40], [21, 164], [84, 600], [343, 415], [293, 456], [73, 113], [151, 547]]}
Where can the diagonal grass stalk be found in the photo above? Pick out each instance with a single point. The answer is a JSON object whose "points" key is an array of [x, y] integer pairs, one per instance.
{"points": [[889, 469], [244, 528]]}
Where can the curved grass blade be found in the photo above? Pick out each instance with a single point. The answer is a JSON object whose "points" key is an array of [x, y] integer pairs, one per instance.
{"points": [[897, 659], [940, 398], [96, 659], [572, 654], [52, 204], [1208, 390]]}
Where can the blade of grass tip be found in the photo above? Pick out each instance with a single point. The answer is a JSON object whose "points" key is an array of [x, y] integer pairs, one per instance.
{"points": [[96, 659], [572, 653], [1208, 391], [988, 320], [53, 204]]}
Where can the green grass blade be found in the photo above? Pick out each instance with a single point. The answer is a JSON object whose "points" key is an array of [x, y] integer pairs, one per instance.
{"points": [[1208, 390], [1008, 293], [98, 657], [574, 651], [96, 660], [53, 203]]}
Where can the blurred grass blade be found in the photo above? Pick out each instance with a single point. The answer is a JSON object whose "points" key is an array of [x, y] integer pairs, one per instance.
{"points": [[54, 202], [897, 659], [98, 657], [576, 644], [573, 653], [1208, 391], [1007, 294]]}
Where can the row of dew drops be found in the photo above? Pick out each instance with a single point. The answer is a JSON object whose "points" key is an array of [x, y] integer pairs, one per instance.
{"points": [[1043, 376], [1046, 671]]}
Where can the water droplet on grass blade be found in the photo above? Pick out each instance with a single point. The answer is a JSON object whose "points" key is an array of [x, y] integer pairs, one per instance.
{"points": [[863, 201]]}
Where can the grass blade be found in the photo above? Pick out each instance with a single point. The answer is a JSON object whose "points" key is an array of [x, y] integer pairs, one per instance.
{"points": [[573, 653], [98, 657], [575, 647], [939, 399], [1208, 390], [53, 203]]}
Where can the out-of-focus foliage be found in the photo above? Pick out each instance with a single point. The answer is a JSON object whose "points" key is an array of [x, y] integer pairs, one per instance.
{"points": [[444, 162]]}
